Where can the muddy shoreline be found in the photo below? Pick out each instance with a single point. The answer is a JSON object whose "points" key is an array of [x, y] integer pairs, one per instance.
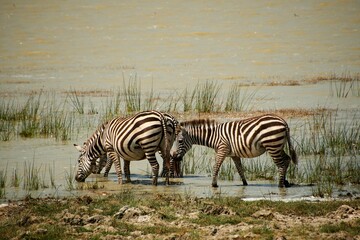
{"points": [[164, 216]]}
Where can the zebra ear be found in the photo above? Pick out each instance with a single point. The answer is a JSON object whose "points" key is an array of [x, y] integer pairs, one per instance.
{"points": [[77, 147]]}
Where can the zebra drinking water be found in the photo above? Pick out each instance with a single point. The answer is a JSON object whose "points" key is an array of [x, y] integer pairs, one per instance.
{"points": [[133, 138], [172, 128], [246, 138]]}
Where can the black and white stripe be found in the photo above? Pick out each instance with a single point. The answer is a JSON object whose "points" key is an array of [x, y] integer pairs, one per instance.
{"points": [[133, 138], [172, 127], [246, 138]]}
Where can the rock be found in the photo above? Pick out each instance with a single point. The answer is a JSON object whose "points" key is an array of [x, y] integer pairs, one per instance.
{"points": [[95, 219], [280, 238], [263, 214], [144, 218], [128, 212], [41, 231], [345, 209]]}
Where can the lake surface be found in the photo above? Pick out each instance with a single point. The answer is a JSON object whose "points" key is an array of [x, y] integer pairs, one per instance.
{"points": [[88, 44], [169, 46]]}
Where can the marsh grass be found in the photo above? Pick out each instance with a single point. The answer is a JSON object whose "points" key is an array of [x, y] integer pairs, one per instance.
{"points": [[3, 178], [70, 178], [112, 106], [342, 86], [151, 100], [188, 99], [15, 178], [6, 130], [77, 103], [206, 96], [198, 161], [260, 168], [32, 178], [324, 133], [37, 117], [47, 115], [239, 99], [90, 186], [52, 175], [132, 95]]}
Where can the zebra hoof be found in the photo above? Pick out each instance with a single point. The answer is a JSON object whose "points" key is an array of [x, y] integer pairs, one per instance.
{"points": [[214, 185], [245, 183]]}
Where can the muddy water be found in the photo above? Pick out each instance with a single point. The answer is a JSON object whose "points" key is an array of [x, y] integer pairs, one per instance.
{"points": [[88, 45]]}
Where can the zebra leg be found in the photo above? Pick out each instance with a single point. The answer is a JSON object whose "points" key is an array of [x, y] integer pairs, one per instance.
{"points": [[154, 165], [108, 165], [113, 157], [238, 165], [164, 170], [282, 162], [165, 154], [127, 170], [220, 156]]}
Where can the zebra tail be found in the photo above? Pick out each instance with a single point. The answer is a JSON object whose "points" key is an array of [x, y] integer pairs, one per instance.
{"points": [[293, 154], [166, 155]]}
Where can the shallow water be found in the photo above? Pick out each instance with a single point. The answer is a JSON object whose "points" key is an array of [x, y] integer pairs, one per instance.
{"points": [[87, 45]]}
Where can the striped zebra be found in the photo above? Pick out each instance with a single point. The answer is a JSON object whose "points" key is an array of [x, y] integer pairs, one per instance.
{"points": [[133, 138], [172, 127], [246, 138]]}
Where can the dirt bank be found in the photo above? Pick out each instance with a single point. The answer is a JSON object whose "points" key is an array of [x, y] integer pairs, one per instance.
{"points": [[156, 216]]}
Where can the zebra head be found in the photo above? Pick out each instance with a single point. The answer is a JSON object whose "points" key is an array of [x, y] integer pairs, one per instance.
{"points": [[181, 145], [85, 165]]}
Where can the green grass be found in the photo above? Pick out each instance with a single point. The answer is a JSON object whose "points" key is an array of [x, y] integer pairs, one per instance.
{"points": [[206, 97], [77, 103], [132, 95], [239, 99], [324, 133], [70, 178], [169, 212], [32, 179], [352, 229]]}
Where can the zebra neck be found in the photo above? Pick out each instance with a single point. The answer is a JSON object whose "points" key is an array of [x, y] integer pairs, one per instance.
{"points": [[95, 147], [204, 136]]}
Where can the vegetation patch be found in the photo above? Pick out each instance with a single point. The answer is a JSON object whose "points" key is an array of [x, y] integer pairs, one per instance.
{"points": [[142, 216]]}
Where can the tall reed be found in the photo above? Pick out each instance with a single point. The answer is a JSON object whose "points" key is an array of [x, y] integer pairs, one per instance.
{"points": [[15, 178], [206, 96], [69, 178], [77, 104], [324, 133], [32, 178], [239, 99], [132, 95], [342, 86]]}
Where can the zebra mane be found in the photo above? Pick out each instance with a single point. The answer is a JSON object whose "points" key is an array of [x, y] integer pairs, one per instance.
{"points": [[96, 134], [199, 122]]}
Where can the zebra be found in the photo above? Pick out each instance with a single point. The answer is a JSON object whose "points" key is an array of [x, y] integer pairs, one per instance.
{"points": [[132, 138], [245, 138], [172, 130]]}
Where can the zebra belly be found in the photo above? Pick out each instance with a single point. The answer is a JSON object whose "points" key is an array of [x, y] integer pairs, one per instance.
{"points": [[246, 152]]}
